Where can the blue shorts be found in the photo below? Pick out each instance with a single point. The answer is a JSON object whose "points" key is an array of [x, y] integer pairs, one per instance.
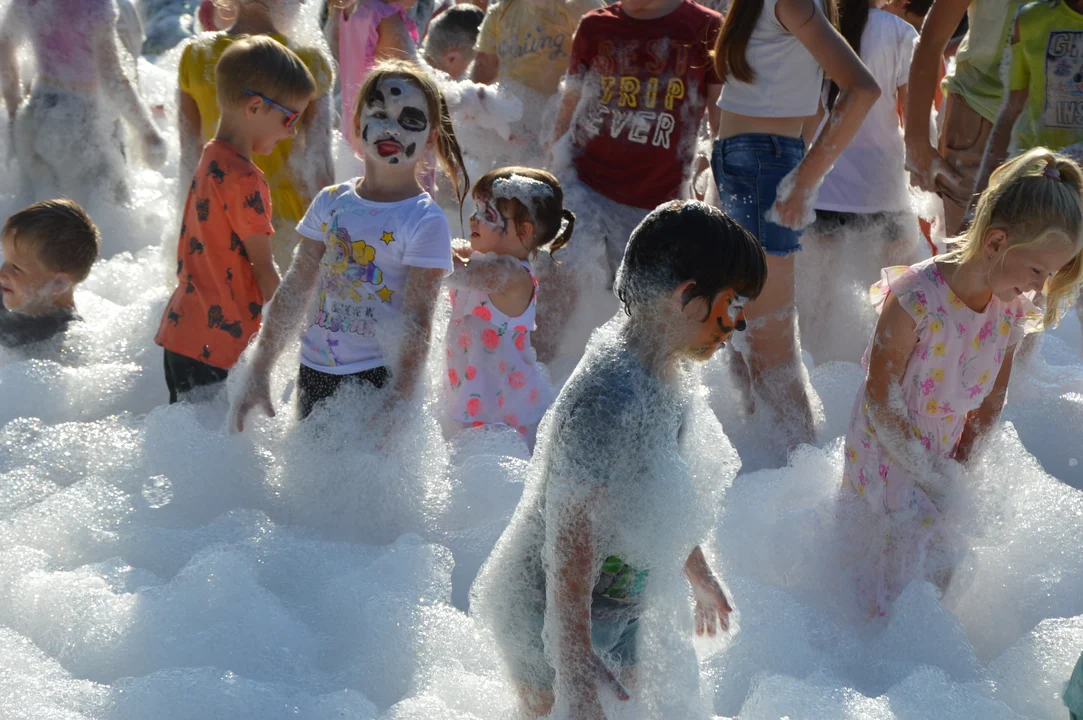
{"points": [[748, 169]]}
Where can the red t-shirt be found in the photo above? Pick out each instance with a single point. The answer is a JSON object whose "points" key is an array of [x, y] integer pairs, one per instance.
{"points": [[644, 93], [217, 305]]}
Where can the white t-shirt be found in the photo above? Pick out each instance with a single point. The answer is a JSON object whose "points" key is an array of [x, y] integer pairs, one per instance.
{"points": [[370, 246], [870, 175]]}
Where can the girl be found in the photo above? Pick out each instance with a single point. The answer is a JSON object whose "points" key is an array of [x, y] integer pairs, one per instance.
{"points": [[939, 364], [292, 178], [771, 57], [362, 33], [864, 198], [377, 247], [64, 134], [493, 376]]}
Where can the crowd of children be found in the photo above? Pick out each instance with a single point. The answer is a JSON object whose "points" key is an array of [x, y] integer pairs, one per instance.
{"points": [[813, 109]]}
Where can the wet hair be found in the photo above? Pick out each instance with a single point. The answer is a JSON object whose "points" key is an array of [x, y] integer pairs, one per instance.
{"points": [[1032, 197], [447, 145], [553, 223], [730, 49], [61, 233], [262, 64], [689, 240], [455, 28]]}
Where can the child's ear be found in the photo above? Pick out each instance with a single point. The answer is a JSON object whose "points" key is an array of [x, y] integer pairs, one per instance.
{"points": [[252, 107], [451, 57], [996, 240], [525, 231], [682, 294], [60, 283]]}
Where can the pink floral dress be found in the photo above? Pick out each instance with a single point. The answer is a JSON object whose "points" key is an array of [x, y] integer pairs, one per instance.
{"points": [[952, 369], [493, 377]]}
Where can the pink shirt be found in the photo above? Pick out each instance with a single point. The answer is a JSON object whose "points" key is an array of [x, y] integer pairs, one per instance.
{"points": [[358, 33], [62, 33]]}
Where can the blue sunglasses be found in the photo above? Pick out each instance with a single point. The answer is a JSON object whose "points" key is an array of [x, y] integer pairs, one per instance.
{"points": [[291, 115]]}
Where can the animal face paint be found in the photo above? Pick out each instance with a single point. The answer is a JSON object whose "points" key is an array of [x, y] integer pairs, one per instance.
{"points": [[737, 306], [395, 122]]}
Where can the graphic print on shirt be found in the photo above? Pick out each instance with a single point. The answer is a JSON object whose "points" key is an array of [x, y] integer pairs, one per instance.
{"points": [[1064, 80]]}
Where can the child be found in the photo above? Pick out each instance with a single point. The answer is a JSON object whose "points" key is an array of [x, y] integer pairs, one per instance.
{"points": [[449, 45], [377, 247], [939, 364], [1043, 83], [49, 248], [284, 170], [362, 33], [493, 375], [571, 560], [224, 264], [80, 83], [772, 57]]}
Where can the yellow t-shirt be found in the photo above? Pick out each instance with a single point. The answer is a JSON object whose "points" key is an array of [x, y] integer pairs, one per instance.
{"points": [[533, 40], [977, 64], [196, 77], [1048, 62]]}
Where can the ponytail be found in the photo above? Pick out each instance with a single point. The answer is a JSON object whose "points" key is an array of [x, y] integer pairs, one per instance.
{"points": [[565, 235]]}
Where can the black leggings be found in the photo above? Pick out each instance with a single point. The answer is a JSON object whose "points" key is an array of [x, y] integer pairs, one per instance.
{"points": [[313, 385], [183, 375]]}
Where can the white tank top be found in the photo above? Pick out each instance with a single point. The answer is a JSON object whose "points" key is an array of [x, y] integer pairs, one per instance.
{"points": [[787, 78], [493, 377]]}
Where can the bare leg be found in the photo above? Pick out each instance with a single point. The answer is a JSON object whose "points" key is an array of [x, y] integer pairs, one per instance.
{"points": [[738, 368], [534, 703]]}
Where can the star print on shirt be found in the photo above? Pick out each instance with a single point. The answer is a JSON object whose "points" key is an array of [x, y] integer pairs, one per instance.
{"points": [[385, 294], [388, 238]]}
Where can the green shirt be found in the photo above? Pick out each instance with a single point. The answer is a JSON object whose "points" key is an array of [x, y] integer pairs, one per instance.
{"points": [[977, 64]]}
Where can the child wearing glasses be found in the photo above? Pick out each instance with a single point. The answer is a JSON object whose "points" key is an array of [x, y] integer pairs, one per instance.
{"points": [[225, 271], [494, 377], [293, 177]]}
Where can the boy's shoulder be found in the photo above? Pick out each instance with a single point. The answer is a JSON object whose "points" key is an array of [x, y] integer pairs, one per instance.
{"points": [[221, 165], [17, 330]]}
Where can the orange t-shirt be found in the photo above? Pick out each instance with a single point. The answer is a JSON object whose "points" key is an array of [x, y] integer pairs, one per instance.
{"points": [[217, 304]]}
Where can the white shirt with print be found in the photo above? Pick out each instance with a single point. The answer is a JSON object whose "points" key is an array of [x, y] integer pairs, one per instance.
{"points": [[370, 246]]}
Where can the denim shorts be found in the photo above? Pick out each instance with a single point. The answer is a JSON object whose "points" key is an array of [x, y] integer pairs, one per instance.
{"points": [[748, 169]]}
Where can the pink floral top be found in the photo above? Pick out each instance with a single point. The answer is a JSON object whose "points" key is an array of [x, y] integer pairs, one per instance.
{"points": [[952, 369], [493, 377]]}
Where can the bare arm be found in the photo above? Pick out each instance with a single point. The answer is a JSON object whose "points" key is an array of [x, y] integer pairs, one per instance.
{"points": [[395, 42], [331, 31], [996, 150], [258, 248], [712, 606], [318, 168], [569, 101], [486, 68], [9, 66], [858, 92], [422, 291], [122, 92], [979, 422], [923, 160], [714, 113]]}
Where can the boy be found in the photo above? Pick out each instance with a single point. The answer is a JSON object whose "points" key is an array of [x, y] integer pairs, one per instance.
{"points": [[606, 463], [449, 45], [49, 248], [224, 264]]}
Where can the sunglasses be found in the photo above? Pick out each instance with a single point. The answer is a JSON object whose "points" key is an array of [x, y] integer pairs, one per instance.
{"points": [[292, 116]]}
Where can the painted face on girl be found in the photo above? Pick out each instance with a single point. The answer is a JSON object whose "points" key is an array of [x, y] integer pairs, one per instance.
{"points": [[490, 230], [395, 123]]}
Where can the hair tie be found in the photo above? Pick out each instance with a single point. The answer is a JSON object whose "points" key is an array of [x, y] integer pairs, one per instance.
{"points": [[1051, 171]]}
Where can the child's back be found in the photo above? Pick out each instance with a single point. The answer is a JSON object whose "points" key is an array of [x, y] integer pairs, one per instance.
{"points": [[62, 33]]}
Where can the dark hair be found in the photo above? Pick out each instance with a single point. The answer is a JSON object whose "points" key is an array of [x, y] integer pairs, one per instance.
{"points": [[549, 212], [853, 15], [689, 240], [60, 232], [456, 27], [447, 145], [730, 49]]}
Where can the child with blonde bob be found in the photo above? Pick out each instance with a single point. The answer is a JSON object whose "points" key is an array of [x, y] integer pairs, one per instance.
{"points": [[493, 374], [939, 364]]}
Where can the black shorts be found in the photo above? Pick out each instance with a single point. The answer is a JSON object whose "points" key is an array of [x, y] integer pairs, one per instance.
{"points": [[314, 386], [183, 374]]}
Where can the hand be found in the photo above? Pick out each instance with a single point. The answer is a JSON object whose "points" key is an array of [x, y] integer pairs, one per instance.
{"points": [[155, 150], [794, 206], [588, 683], [712, 607], [256, 394], [945, 473], [932, 173]]}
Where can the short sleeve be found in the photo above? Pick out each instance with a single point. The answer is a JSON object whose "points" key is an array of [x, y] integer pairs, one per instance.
{"points": [[906, 284], [430, 244], [314, 224], [908, 39], [1024, 318], [489, 33], [248, 205], [581, 54]]}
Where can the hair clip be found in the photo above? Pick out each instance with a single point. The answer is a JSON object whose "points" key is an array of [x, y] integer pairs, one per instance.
{"points": [[1051, 171]]}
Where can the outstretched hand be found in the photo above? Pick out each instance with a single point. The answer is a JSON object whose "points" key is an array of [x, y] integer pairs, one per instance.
{"points": [[712, 607], [255, 394]]}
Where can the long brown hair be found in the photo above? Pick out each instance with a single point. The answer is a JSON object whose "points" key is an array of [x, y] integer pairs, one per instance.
{"points": [[447, 145], [853, 15], [730, 49]]}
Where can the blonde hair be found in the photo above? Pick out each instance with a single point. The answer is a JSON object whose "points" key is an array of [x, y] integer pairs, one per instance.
{"points": [[447, 145], [1032, 197], [263, 65], [60, 233]]}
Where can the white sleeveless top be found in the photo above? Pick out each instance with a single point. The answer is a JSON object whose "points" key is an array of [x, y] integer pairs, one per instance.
{"points": [[787, 78], [493, 377]]}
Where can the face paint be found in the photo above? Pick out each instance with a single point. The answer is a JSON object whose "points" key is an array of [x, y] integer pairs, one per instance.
{"points": [[737, 306], [395, 122], [488, 215]]}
